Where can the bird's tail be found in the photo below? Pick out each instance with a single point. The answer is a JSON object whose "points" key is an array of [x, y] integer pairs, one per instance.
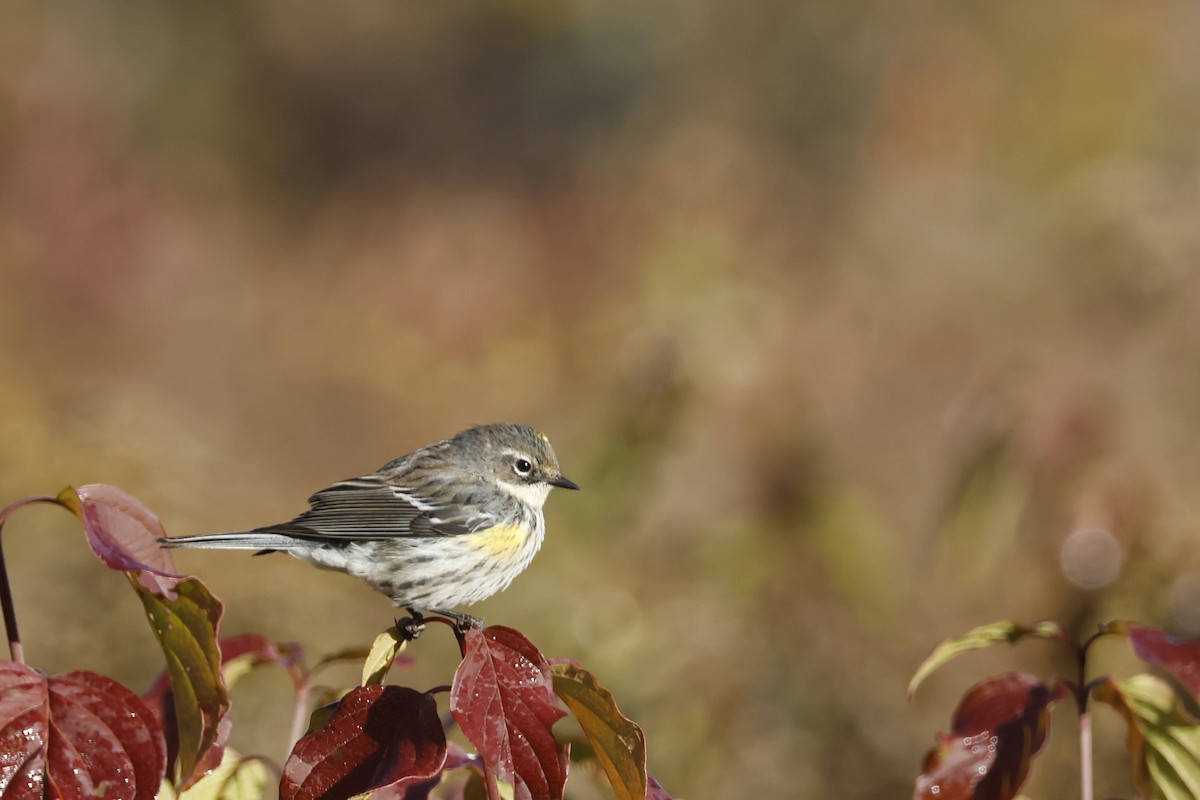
{"points": [[246, 540]]}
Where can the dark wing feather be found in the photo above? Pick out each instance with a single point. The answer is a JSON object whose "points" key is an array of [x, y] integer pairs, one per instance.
{"points": [[370, 509], [450, 522], [361, 509]]}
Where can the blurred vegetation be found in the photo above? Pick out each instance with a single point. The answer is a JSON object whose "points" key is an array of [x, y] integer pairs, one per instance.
{"points": [[845, 315]]}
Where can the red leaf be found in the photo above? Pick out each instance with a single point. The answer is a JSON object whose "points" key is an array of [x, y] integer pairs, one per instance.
{"points": [[456, 757], [77, 735], [124, 534], [503, 699], [378, 736], [1000, 725], [121, 720], [1180, 657], [24, 726]]}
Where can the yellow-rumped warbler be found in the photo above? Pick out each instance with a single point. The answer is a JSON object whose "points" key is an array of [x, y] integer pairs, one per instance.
{"points": [[443, 526]]}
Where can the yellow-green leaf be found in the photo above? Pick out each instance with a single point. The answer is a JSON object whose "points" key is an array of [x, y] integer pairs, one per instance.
{"points": [[618, 742], [474, 789], [387, 646], [1163, 740], [186, 629], [236, 778], [976, 638]]}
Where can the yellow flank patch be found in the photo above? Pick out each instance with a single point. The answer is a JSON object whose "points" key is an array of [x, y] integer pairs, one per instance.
{"points": [[500, 540]]}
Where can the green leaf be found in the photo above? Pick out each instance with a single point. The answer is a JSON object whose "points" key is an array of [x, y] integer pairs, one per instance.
{"points": [[1163, 740], [387, 646], [618, 742], [474, 789], [186, 629], [977, 638]]}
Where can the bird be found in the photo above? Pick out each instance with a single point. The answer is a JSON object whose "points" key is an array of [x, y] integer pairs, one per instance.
{"points": [[444, 526]]}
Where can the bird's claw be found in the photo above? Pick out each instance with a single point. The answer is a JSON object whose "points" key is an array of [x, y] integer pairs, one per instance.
{"points": [[462, 622], [410, 627]]}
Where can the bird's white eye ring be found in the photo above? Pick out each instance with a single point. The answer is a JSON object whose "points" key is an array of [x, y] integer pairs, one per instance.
{"points": [[523, 467]]}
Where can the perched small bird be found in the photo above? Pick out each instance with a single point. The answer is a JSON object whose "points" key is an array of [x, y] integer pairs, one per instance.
{"points": [[444, 526]]}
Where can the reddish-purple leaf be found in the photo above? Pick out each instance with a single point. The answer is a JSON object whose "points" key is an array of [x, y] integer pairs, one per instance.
{"points": [[1180, 657], [161, 703], [1000, 725], [24, 725], [378, 736], [77, 735], [456, 757], [503, 699], [248, 650], [124, 534], [654, 790], [122, 741]]}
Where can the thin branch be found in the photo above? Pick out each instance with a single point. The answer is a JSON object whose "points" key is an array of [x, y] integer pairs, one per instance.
{"points": [[6, 599], [300, 715], [10, 614], [493, 788], [1085, 756]]}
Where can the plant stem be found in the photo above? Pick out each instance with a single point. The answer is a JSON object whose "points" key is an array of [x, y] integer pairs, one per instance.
{"points": [[1085, 756], [1083, 691], [300, 716], [6, 600], [493, 787], [454, 626], [10, 614]]}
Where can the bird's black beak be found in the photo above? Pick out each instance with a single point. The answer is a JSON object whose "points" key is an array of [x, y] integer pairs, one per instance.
{"points": [[563, 482]]}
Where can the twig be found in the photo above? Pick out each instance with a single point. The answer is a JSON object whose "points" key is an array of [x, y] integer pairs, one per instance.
{"points": [[300, 715], [10, 615], [6, 600], [1085, 756], [493, 788]]}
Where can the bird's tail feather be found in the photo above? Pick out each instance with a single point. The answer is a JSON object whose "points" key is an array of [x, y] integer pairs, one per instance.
{"points": [[246, 540]]}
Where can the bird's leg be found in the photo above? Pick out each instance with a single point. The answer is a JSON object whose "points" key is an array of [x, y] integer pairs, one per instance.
{"points": [[410, 627]]}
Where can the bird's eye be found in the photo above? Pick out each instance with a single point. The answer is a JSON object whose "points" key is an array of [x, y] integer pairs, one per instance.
{"points": [[523, 467]]}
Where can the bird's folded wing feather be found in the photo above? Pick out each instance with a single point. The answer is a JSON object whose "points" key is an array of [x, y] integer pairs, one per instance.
{"points": [[368, 508]]}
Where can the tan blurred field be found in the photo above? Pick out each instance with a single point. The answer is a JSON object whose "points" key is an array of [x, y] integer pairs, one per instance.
{"points": [[844, 315]]}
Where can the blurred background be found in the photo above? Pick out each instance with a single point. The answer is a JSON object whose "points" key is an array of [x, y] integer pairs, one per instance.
{"points": [[859, 323]]}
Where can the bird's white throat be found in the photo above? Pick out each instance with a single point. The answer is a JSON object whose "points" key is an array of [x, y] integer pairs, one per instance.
{"points": [[533, 494]]}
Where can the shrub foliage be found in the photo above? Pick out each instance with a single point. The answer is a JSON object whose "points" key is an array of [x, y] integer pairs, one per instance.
{"points": [[83, 735]]}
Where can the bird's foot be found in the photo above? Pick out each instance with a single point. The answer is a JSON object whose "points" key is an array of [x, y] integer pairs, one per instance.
{"points": [[410, 627], [463, 622]]}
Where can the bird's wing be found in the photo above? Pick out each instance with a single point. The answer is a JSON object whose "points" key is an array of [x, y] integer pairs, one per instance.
{"points": [[370, 508]]}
